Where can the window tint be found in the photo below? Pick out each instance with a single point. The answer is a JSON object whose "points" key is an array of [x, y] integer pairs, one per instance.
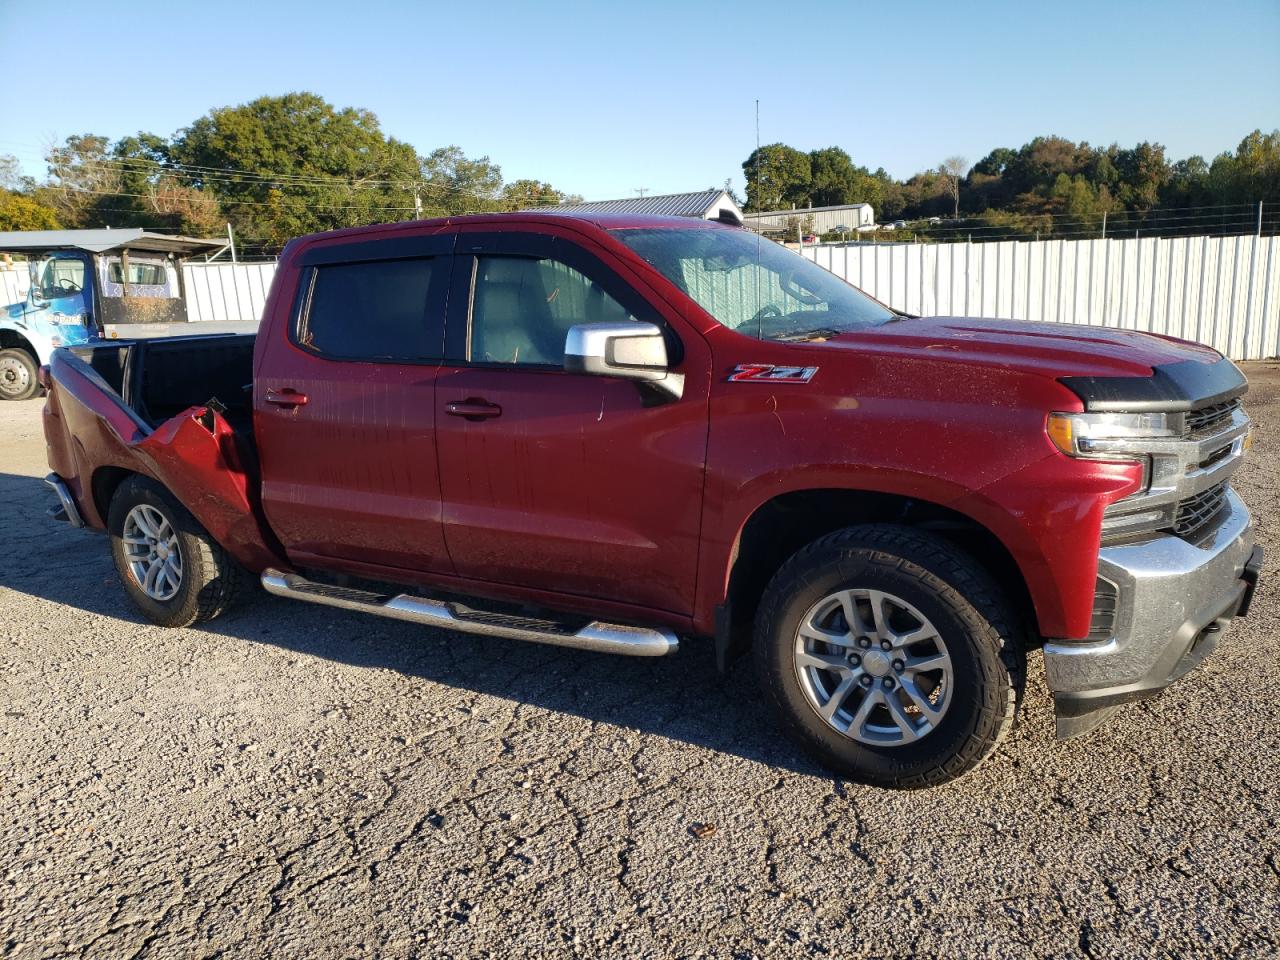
{"points": [[523, 308], [372, 311]]}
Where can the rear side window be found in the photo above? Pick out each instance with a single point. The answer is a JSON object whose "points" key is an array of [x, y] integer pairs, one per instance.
{"points": [[372, 311]]}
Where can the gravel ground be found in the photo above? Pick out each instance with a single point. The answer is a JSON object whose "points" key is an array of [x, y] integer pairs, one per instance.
{"points": [[291, 781]]}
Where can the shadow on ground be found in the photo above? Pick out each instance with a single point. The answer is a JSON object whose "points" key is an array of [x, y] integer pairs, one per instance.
{"points": [[681, 696]]}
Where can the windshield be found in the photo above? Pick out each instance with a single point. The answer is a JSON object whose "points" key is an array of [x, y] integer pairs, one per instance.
{"points": [[755, 286]]}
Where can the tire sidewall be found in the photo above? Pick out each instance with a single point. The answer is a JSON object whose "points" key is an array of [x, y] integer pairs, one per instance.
{"points": [[182, 608], [975, 664]]}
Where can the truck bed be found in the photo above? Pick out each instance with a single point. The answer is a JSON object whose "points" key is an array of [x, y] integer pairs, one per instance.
{"points": [[178, 410], [157, 379]]}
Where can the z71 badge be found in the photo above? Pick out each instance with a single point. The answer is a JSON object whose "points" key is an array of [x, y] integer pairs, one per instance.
{"points": [[768, 373]]}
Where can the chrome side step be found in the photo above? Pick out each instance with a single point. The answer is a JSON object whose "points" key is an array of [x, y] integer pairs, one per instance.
{"points": [[66, 510], [597, 636]]}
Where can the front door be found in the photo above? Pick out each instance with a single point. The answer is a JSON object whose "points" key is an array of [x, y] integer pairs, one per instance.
{"points": [[565, 482], [344, 408], [60, 301]]}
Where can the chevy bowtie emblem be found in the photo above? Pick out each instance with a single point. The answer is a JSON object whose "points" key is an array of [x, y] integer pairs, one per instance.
{"points": [[768, 373]]}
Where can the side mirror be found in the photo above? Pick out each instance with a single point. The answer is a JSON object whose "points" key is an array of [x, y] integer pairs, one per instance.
{"points": [[629, 351]]}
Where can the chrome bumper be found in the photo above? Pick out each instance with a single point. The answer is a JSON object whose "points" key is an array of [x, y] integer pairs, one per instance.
{"points": [[1175, 600]]}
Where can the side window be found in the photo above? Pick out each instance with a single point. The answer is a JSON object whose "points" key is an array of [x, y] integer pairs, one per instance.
{"points": [[523, 307], [149, 274], [371, 311], [61, 278]]}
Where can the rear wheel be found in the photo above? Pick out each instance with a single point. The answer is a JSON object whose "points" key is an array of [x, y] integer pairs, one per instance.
{"points": [[18, 371], [890, 655], [173, 571]]}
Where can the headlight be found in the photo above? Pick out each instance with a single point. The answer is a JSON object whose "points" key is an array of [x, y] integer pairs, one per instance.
{"points": [[1105, 436]]}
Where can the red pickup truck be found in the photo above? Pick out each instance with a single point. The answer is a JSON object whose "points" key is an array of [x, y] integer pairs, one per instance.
{"points": [[613, 432]]}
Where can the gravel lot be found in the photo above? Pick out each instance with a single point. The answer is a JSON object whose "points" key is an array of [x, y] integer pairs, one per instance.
{"points": [[293, 781]]}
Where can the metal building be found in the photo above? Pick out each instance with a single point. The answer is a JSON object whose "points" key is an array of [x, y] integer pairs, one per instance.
{"points": [[851, 216], [706, 205]]}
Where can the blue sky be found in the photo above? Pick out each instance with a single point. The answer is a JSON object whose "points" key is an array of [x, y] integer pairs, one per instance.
{"points": [[604, 98]]}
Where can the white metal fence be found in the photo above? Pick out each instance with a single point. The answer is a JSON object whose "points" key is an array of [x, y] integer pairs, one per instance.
{"points": [[1224, 291]]}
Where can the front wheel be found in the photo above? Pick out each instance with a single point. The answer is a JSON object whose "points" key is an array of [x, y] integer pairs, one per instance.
{"points": [[173, 571], [18, 370], [890, 655]]}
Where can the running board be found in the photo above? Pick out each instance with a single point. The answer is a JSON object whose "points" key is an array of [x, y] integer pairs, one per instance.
{"points": [[596, 636]]}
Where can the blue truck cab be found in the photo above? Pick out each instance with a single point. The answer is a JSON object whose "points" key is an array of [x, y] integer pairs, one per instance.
{"points": [[86, 285]]}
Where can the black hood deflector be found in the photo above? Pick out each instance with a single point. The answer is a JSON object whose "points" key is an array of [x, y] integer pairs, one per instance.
{"points": [[1173, 387]]}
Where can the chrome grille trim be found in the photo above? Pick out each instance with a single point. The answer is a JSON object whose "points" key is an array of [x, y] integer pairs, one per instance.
{"points": [[1188, 475]]}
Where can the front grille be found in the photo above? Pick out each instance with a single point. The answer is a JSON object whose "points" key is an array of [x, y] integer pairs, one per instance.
{"points": [[1210, 418], [1194, 513]]}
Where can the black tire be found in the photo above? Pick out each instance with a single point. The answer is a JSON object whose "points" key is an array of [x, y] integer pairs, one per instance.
{"points": [[18, 375], [969, 613], [210, 579]]}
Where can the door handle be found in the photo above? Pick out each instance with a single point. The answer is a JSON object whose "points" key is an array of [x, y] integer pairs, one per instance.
{"points": [[473, 409], [287, 397]]}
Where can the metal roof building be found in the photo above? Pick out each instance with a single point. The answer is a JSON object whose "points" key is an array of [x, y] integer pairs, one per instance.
{"points": [[706, 205], [825, 219]]}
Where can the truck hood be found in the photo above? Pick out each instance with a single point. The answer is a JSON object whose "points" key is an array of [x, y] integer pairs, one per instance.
{"points": [[1050, 349]]}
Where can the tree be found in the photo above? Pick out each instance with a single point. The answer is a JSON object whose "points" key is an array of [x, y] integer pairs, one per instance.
{"points": [[1142, 172], [529, 195], [19, 212], [833, 179], [11, 176], [954, 169], [777, 177], [293, 164], [452, 183], [80, 178]]}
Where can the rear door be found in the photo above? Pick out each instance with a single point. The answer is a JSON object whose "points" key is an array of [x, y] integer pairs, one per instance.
{"points": [[344, 407], [565, 482]]}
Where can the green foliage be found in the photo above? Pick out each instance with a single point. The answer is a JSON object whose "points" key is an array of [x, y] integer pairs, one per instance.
{"points": [[777, 177], [275, 167], [1048, 185], [529, 194], [20, 212], [283, 166]]}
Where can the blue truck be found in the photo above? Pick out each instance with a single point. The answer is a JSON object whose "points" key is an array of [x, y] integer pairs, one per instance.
{"points": [[87, 285]]}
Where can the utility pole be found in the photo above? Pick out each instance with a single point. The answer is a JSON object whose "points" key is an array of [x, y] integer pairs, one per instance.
{"points": [[641, 191], [417, 200], [1259, 218], [1104, 224], [231, 241]]}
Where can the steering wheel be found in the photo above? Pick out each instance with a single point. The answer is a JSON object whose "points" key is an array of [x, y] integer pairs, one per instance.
{"points": [[765, 312], [67, 285]]}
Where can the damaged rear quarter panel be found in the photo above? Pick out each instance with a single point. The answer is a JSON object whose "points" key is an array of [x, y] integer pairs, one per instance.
{"points": [[194, 455]]}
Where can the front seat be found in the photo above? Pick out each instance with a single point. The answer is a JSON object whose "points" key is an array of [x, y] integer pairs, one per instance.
{"points": [[510, 308]]}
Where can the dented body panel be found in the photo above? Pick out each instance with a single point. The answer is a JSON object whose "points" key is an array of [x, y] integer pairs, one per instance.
{"points": [[93, 439]]}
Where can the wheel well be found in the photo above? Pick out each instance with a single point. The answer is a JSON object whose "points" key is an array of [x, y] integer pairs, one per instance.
{"points": [[11, 340], [788, 522], [106, 481]]}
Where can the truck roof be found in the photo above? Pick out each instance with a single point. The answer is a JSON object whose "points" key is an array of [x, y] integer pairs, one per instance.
{"points": [[100, 241], [604, 221]]}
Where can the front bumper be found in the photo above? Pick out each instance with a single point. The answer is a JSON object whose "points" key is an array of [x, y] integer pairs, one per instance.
{"points": [[1175, 601]]}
